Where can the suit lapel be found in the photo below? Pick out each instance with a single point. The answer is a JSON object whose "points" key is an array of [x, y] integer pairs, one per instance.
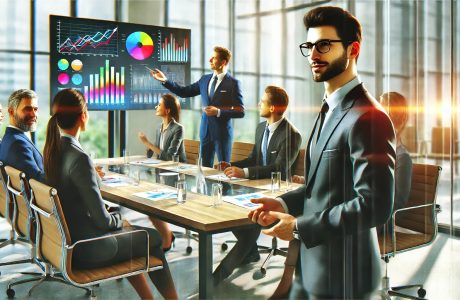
{"points": [[260, 137], [307, 162], [337, 116], [274, 138], [30, 142]]}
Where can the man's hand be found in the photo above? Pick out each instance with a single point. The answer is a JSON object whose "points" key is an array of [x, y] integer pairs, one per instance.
{"points": [[298, 179], [234, 172], [158, 75], [285, 227], [142, 137], [210, 111], [260, 215], [222, 165]]}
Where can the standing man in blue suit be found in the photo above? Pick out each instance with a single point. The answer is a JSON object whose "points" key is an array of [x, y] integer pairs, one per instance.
{"points": [[221, 99], [17, 150]]}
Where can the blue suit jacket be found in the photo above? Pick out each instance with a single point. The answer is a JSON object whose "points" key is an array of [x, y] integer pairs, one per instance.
{"points": [[227, 98], [19, 152]]}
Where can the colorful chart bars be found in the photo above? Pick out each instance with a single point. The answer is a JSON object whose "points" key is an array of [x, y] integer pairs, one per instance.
{"points": [[107, 87], [172, 51]]}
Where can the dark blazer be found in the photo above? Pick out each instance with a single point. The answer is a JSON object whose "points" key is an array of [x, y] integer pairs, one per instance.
{"points": [[19, 152], [227, 97], [278, 153], [348, 191], [173, 142], [403, 177], [81, 200]]}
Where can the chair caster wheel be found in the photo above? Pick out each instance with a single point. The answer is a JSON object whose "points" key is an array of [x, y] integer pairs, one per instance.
{"points": [[224, 247], [88, 292], [188, 249], [10, 293], [421, 292], [259, 274]]}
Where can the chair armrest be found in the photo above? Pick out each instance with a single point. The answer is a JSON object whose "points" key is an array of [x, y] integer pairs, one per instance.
{"points": [[409, 208], [123, 231]]}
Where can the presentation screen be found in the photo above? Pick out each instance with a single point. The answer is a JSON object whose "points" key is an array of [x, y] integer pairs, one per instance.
{"points": [[110, 62]]}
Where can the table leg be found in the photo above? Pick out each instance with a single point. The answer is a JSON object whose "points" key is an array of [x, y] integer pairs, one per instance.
{"points": [[205, 266]]}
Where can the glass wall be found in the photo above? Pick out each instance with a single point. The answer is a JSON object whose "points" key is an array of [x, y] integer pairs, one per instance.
{"points": [[406, 48]]}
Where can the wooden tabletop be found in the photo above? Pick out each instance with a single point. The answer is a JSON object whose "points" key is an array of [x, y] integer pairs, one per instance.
{"points": [[196, 213]]}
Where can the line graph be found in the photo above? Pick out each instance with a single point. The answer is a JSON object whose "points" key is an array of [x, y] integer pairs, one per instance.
{"points": [[83, 38]]}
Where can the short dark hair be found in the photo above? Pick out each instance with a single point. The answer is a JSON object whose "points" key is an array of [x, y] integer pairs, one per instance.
{"points": [[223, 53], [278, 98], [347, 26]]}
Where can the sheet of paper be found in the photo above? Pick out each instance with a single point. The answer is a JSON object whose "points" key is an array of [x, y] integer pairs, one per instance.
{"points": [[147, 162], [244, 200], [157, 195], [116, 181], [223, 177]]}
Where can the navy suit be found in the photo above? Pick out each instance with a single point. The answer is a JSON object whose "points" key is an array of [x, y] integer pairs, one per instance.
{"points": [[19, 152], [216, 133]]}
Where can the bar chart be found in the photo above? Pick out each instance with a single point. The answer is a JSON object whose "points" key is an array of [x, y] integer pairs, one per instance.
{"points": [[107, 87], [173, 49]]}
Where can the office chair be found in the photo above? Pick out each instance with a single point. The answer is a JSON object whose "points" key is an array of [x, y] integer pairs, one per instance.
{"points": [[414, 226], [55, 247], [7, 212]]}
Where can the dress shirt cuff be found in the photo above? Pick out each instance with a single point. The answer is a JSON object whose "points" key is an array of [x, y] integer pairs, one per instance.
{"points": [[218, 113], [246, 172], [283, 204]]}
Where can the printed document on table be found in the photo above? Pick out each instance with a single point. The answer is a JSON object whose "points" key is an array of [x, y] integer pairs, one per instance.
{"points": [[157, 195], [244, 200]]}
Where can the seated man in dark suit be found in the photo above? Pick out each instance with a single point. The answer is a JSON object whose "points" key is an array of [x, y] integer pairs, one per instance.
{"points": [[17, 150], [277, 144], [270, 152]]}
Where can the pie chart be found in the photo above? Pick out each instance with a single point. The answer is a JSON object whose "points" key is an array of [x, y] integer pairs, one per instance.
{"points": [[76, 65], [63, 64], [139, 45]]}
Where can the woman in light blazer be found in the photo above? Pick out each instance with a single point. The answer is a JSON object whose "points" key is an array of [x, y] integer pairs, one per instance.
{"points": [[169, 141], [71, 171]]}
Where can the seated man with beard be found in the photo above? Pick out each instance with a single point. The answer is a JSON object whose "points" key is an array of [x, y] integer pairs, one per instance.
{"points": [[17, 150]]}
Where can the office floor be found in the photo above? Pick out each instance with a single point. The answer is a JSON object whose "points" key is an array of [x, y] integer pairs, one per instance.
{"points": [[437, 265]]}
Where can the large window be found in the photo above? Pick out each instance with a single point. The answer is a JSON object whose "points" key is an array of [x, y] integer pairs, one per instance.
{"points": [[406, 48]]}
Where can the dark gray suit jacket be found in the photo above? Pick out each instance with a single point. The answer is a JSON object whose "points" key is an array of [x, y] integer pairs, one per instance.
{"points": [[282, 151], [173, 142], [348, 191], [81, 201]]}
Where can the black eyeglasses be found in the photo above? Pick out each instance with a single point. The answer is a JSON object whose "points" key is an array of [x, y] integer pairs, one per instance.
{"points": [[323, 46]]}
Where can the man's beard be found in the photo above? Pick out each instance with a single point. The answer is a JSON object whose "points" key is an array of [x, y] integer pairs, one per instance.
{"points": [[333, 69], [23, 124]]}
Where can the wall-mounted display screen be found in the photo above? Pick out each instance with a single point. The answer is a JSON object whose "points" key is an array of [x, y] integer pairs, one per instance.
{"points": [[110, 62]]}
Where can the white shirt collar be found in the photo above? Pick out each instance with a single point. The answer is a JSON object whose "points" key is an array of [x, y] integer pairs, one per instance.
{"points": [[220, 76], [338, 95], [272, 127]]}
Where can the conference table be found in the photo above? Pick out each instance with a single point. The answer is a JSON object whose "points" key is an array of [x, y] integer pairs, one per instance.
{"points": [[197, 214]]}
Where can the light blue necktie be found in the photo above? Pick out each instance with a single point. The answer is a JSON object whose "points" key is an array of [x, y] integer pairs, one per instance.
{"points": [[265, 146], [213, 87]]}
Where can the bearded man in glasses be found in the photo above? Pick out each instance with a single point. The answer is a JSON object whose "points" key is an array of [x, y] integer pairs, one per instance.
{"points": [[349, 165]]}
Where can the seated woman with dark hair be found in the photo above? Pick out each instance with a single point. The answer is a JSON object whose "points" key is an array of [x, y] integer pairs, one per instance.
{"points": [[71, 171], [169, 141], [169, 138], [396, 106]]}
